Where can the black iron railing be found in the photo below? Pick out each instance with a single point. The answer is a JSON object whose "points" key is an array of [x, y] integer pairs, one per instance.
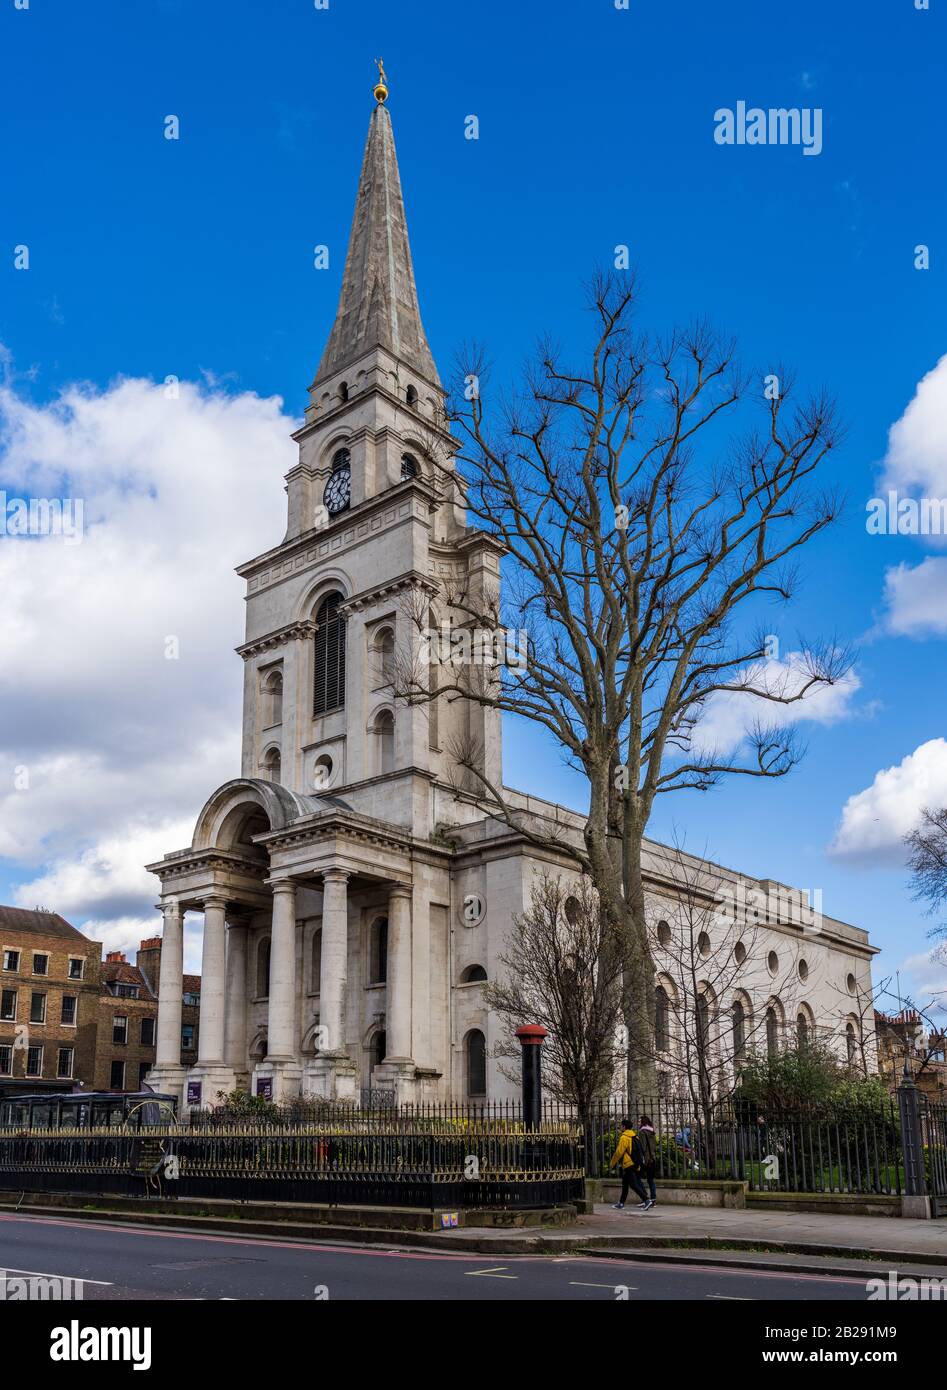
{"points": [[333, 1164]]}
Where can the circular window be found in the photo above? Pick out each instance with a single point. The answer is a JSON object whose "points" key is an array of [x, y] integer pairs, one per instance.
{"points": [[409, 467], [703, 944], [664, 934], [850, 983], [572, 910], [322, 772], [772, 962], [803, 969], [739, 953]]}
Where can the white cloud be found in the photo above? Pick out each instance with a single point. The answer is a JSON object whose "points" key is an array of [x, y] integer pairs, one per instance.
{"points": [[916, 460], [915, 465], [924, 978], [728, 716], [916, 598], [875, 821], [119, 747]]}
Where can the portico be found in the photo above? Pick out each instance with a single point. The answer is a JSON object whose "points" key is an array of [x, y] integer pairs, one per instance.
{"points": [[284, 914]]}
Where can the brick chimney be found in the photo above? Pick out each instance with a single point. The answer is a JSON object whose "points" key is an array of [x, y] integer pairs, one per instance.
{"points": [[115, 957], [148, 961]]}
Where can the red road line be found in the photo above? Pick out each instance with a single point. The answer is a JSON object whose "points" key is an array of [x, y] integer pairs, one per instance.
{"points": [[461, 1255]]}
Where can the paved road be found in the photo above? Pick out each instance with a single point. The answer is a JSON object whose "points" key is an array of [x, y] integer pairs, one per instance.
{"points": [[130, 1262]]}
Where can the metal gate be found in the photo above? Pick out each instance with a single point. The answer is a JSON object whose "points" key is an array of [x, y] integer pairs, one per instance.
{"points": [[934, 1138]]}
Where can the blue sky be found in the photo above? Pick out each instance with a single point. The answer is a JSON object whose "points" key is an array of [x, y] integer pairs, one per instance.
{"points": [[193, 257]]}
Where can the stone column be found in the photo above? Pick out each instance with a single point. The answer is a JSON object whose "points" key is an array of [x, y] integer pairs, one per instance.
{"points": [[332, 974], [235, 1035], [210, 1046], [281, 1017], [170, 986], [398, 1012]]}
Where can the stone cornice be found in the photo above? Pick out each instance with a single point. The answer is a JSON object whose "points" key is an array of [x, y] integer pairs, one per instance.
{"points": [[273, 640], [409, 501], [411, 579], [189, 860]]}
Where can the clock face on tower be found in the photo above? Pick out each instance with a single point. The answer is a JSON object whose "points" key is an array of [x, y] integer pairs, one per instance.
{"points": [[338, 490]]}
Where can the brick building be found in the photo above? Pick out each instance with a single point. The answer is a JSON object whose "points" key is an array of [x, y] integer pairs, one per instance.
{"points": [[906, 1036], [68, 1017], [128, 1019], [49, 1002]]}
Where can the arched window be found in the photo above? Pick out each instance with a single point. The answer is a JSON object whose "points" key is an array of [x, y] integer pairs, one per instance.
{"points": [[409, 467], [739, 1031], [772, 1032], [432, 689], [263, 969], [317, 960], [343, 390], [272, 698], [411, 395], [802, 1030], [662, 1020], [474, 974], [475, 1057], [385, 742], [378, 951], [273, 765], [702, 1021], [384, 654], [329, 656], [379, 1048]]}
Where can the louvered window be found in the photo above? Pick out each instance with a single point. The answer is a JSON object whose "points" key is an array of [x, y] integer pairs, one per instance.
{"points": [[329, 656]]}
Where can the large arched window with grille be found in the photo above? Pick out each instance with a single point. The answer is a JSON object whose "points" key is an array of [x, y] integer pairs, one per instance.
{"points": [[329, 656]]}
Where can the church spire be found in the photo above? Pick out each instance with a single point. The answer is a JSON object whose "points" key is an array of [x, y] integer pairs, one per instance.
{"points": [[378, 306]]}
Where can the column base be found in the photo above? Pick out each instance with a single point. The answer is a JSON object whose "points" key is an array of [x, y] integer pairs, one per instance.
{"points": [[330, 1076], [276, 1079], [398, 1074], [212, 1077], [169, 1081]]}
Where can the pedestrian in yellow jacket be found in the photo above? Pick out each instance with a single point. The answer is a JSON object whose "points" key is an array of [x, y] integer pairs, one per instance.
{"points": [[628, 1155]]}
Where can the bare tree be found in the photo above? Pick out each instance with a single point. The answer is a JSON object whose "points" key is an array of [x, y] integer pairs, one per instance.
{"points": [[928, 864], [641, 517], [717, 983], [563, 970]]}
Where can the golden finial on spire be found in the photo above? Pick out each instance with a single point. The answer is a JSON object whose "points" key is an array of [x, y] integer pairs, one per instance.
{"points": [[381, 86]]}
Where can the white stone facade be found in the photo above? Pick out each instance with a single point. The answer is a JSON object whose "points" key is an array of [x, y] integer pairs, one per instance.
{"points": [[333, 873]]}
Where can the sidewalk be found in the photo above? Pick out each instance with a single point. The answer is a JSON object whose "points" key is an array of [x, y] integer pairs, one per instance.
{"points": [[886, 1239]]}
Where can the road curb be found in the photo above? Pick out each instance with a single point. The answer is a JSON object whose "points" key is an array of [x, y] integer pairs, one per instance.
{"points": [[700, 1250]]}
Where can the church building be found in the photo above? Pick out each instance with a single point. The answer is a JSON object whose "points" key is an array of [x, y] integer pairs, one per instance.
{"points": [[355, 899]]}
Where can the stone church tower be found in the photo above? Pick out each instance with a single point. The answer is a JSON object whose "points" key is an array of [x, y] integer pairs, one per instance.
{"points": [[354, 896], [323, 872]]}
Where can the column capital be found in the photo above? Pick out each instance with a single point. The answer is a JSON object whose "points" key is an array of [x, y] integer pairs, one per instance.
{"points": [[215, 900], [336, 876], [281, 885], [400, 890], [170, 907]]}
